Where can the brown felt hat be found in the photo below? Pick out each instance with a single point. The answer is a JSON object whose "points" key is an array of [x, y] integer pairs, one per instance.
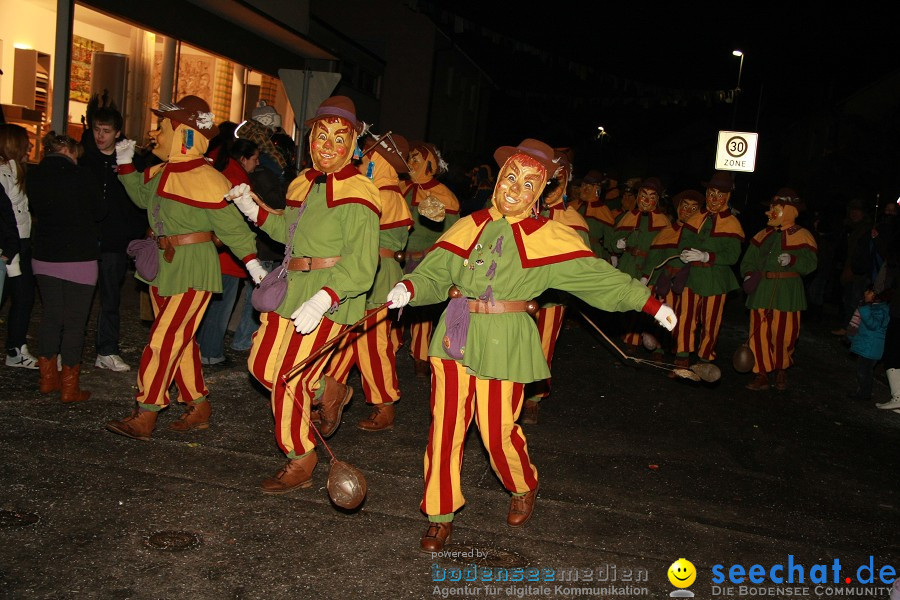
{"points": [[532, 148], [721, 180], [788, 197], [688, 195], [337, 106], [393, 147], [562, 159], [192, 111], [652, 183]]}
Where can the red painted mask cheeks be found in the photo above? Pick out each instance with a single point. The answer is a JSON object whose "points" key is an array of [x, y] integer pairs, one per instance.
{"points": [[687, 209], [331, 144], [519, 185], [781, 215], [716, 200], [647, 200]]}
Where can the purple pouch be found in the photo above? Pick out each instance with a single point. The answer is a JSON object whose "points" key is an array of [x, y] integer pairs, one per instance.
{"points": [[271, 291], [456, 319], [680, 279], [145, 253], [663, 284], [751, 282]]}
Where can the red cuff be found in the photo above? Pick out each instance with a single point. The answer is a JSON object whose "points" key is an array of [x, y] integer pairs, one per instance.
{"points": [[248, 258], [335, 300], [712, 257], [125, 169], [261, 216], [409, 286], [651, 306]]}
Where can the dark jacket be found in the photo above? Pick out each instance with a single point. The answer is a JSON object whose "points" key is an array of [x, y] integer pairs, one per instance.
{"points": [[9, 232], [124, 221], [272, 190], [66, 207]]}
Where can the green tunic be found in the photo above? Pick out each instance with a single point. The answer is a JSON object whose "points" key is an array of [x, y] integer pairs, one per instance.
{"points": [[639, 229], [784, 294], [507, 346], [194, 266], [345, 229], [389, 271], [723, 242]]}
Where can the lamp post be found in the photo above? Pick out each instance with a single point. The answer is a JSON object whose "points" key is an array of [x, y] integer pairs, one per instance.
{"points": [[737, 89]]}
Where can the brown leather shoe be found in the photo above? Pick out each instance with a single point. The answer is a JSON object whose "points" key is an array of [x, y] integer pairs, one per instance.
{"points": [[315, 414], [382, 417], [520, 508], [530, 412], [50, 381], [436, 536], [423, 368], [294, 474], [781, 380], [68, 385], [680, 363], [334, 399], [139, 425], [759, 383], [196, 416]]}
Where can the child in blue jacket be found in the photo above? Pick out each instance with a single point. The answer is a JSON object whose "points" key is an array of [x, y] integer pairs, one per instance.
{"points": [[866, 332]]}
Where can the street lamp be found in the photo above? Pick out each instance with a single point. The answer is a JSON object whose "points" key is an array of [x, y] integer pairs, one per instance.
{"points": [[737, 89]]}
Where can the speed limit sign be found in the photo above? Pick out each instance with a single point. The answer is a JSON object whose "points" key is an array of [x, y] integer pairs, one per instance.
{"points": [[736, 151]]}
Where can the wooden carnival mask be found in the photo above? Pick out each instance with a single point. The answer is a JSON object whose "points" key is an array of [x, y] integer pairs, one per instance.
{"points": [[331, 144], [519, 185]]}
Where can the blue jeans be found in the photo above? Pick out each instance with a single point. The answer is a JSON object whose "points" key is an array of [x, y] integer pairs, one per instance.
{"points": [[211, 335], [249, 323], [112, 271]]}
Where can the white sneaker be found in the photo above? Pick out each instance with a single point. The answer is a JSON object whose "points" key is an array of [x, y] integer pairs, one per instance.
{"points": [[113, 362], [20, 357], [891, 404]]}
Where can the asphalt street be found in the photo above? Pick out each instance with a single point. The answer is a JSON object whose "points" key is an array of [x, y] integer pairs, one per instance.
{"points": [[636, 470]]}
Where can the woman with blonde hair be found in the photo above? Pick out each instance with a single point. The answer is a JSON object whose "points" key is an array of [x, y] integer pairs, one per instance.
{"points": [[14, 149]]}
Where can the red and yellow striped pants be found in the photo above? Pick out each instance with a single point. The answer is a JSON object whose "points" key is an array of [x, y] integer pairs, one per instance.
{"points": [[276, 348], [704, 312], [549, 322], [773, 337], [371, 350], [456, 397], [172, 351]]}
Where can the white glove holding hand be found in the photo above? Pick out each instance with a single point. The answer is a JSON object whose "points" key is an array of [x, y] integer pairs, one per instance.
{"points": [[644, 280], [694, 255], [620, 243], [124, 152], [399, 296], [665, 316], [614, 260], [240, 195], [257, 271], [784, 259], [309, 315]]}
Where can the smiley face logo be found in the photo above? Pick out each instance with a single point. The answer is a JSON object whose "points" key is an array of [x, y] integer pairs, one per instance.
{"points": [[682, 573]]}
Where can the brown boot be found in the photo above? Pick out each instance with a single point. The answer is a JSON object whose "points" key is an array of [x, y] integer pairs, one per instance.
{"points": [[530, 412], [315, 414], [294, 474], [382, 417], [759, 383], [520, 508], [49, 374], [196, 416], [680, 363], [436, 536], [139, 425], [334, 399], [423, 369], [781, 380], [68, 385]]}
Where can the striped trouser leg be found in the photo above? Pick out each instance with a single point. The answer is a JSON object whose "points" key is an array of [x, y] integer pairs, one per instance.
{"points": [[345, 357], [688, 315], [497, 406], [171, 344], [267, 340], [549, 322], [371, 351], [420, 337], [396, 334], [452, 409], [711, 310], [292, 399], [773, 337]]}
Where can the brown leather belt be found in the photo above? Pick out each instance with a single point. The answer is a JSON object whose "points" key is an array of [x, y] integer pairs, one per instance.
{"points": [[308, 263], [398, 255], [167, 243], [636, 252], [703, 265], [498, 307], [781, 274], [416, 255]]}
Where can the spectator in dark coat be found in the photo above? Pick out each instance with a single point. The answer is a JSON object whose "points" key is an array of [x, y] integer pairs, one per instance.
{"points": [[9, 237]]}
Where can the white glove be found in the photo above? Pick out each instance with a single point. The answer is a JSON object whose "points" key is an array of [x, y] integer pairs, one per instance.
{"points": [[240, 195], [694, 255], [644, 280], [14, 268], [257, 271], [620, 243], [665, 316], [784, 259], [124, 152], [309, 315], [399, 296], [614, 260]]}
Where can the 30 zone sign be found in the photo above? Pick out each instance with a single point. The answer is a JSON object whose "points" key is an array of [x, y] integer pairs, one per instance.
{"points": [[736, 151]]}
